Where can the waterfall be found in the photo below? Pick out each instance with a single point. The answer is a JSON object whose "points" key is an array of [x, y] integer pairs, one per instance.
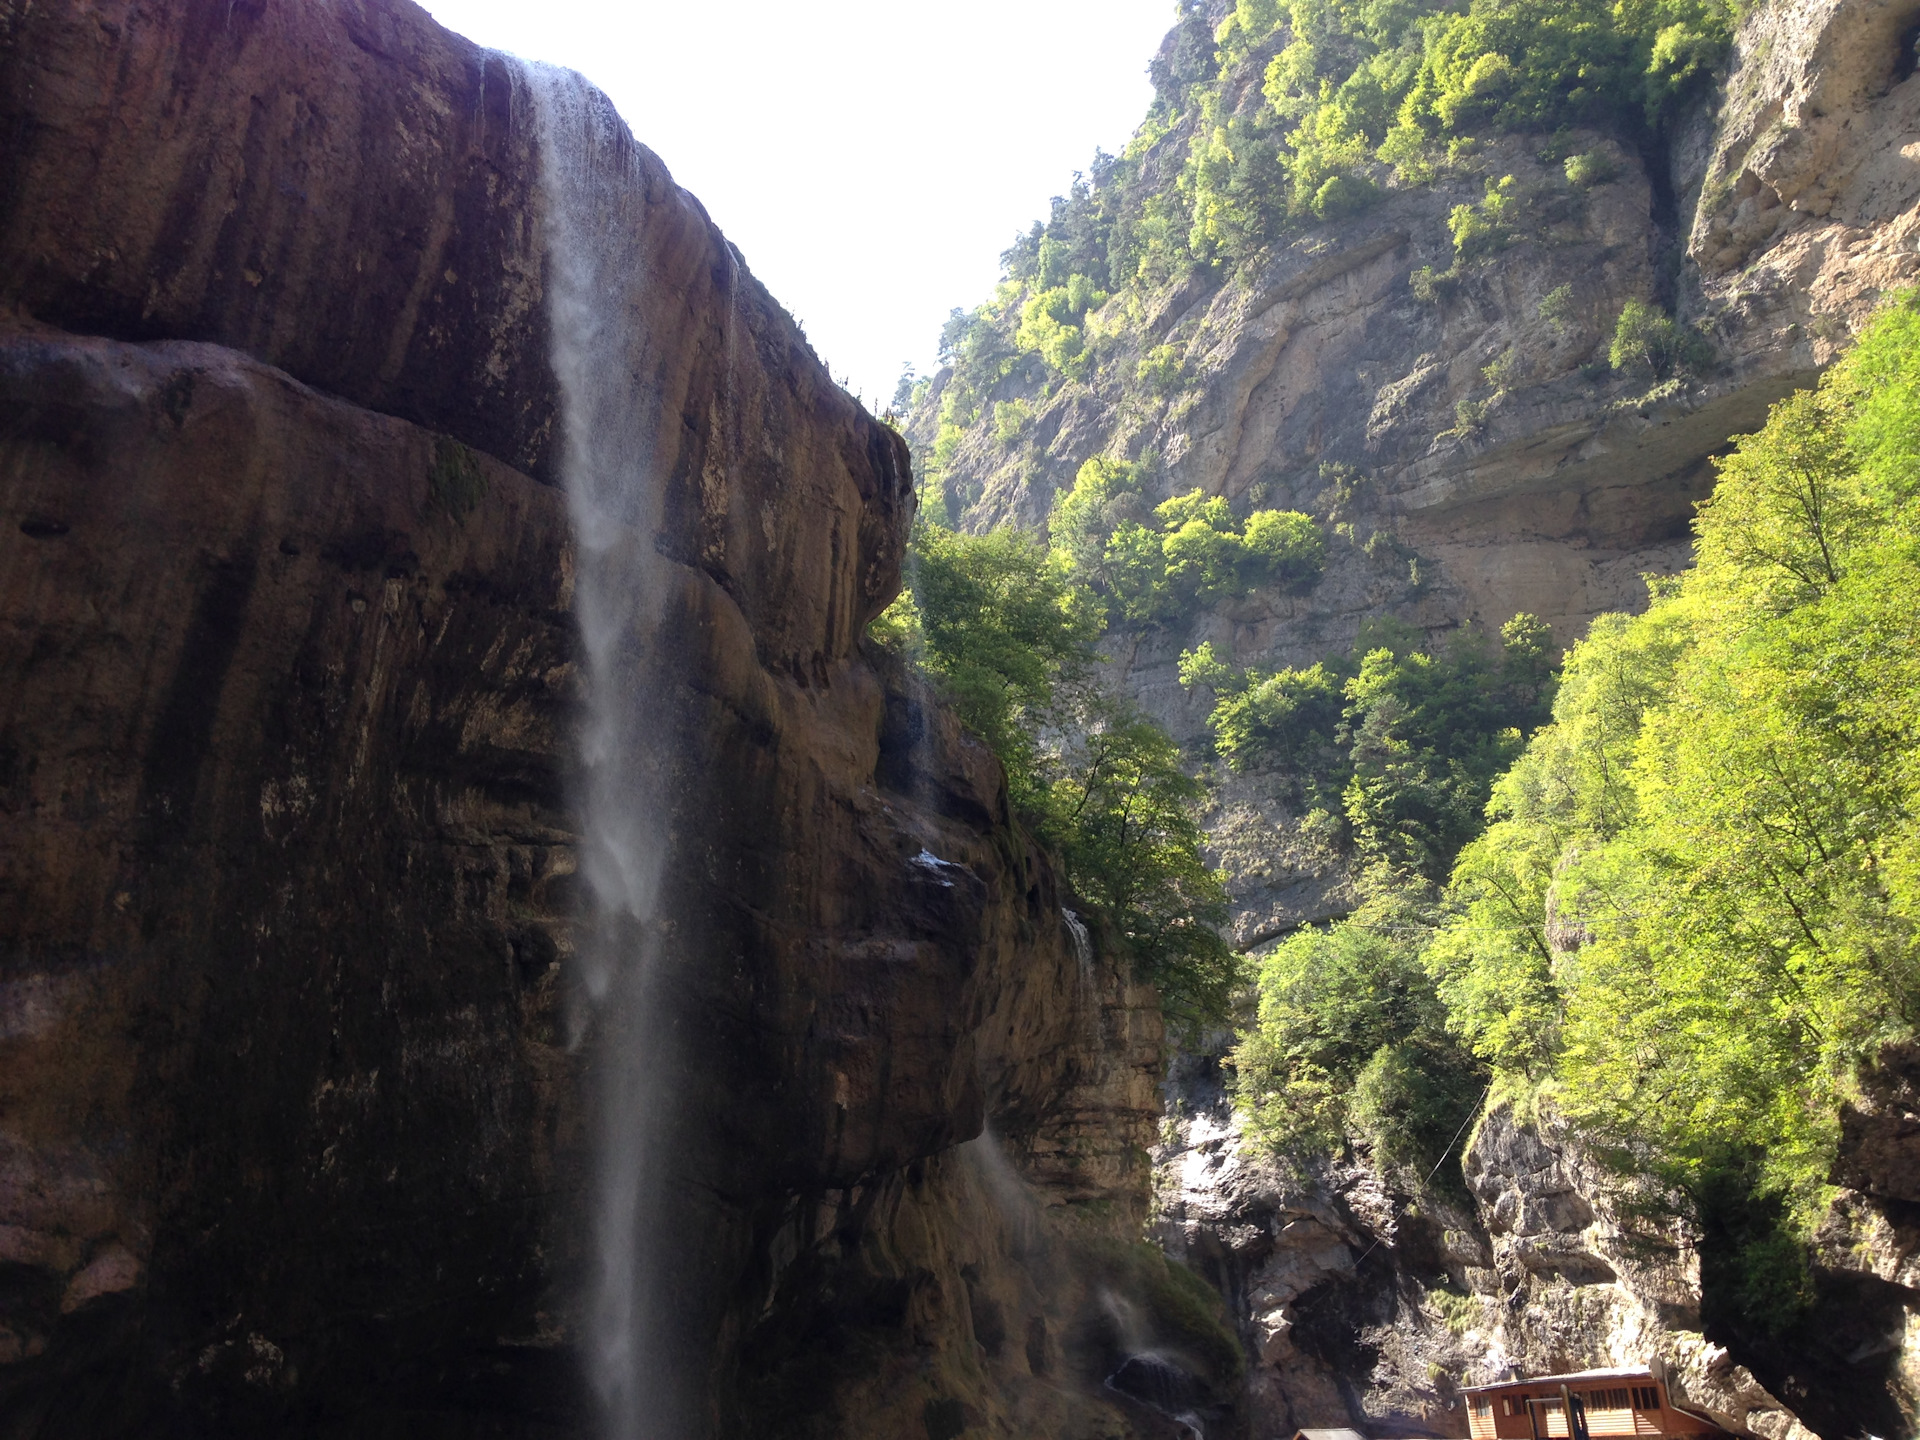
{"points": [[1006, 1191], [1082, 942], [593, 204]]}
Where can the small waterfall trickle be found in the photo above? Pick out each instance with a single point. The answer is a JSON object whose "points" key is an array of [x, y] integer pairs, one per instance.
{"points": [[1008, 1194], [593, 203], [1082, 943]]}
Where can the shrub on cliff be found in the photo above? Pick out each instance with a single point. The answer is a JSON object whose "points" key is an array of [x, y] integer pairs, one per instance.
{"points": [[1008, 639], [1190, 551], [1650, 343]]}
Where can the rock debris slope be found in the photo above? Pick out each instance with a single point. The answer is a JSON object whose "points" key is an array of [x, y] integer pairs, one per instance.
{"points": [[293, 1121]]}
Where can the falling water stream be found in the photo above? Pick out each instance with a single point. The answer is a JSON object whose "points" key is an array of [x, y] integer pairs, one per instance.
{"points": [[607, 363], [593, 203]]}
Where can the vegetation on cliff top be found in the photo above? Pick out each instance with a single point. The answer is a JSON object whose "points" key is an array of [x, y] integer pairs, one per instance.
{"points": [[1272, 116]]}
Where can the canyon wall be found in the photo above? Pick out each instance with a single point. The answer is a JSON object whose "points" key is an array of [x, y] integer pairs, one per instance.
{"points": [[1362, 1305], [1782, 213], [1470, 452], [296, 1082]]}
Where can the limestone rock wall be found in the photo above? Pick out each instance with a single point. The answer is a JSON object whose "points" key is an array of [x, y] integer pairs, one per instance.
{"points": [[1781, 214], [294, 1095], [1365, 1308]]}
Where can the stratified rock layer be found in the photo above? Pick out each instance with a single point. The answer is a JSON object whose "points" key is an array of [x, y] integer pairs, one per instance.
{"points": [[295, 1086]]}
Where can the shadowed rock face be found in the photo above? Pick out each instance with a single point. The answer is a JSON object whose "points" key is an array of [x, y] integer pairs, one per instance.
{"points": [[294, 1106], [339, 190]]}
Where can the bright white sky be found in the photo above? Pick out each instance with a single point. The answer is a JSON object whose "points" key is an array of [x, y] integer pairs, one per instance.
{"points": [[871, 158]]}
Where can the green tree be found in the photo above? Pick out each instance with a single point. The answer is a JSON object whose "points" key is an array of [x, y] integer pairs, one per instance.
{"points": [[1399, 743], [1009, 640], [1350, 1044], [1648, 342], [1695, 909], [1190, 551], [1121, 814]]}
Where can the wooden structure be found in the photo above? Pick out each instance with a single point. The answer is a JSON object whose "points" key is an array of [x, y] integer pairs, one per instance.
{"points": [[1587, 1405]]}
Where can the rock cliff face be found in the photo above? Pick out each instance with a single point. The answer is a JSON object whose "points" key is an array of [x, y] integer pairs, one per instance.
{"points": [[1363, 1307], [1472, 454], [1469, 455], [295, 1100]]}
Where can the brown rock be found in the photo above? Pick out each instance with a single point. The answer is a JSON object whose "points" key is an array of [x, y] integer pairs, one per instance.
{"points": [[295, 1104]]}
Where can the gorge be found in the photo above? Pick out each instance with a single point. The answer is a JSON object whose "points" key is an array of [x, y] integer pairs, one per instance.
{"points": [[496, 945]]}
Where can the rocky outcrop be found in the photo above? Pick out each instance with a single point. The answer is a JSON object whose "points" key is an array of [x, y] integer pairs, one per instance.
{"points": [[1368, 1308], [1587, 1270], [1323, 1269], [296, 1084]]}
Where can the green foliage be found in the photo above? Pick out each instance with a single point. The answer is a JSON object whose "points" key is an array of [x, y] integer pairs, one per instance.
{"points": [[1469, 417], [1486, 228], [1106, 494], [1351, 1044], [1545, 64], [1595, 167], [1340, 195], [1295, 113], [1649, 343], [1354, 84], [1119, 813], [1188, 551], [1431, 286], [1049, 326], [1010, 420], [1695, 908], [1289, 720], [1009, 640], [1754, 1271], [1399, 744], [1160, 370], [1354, 1043], [455, 483], [1005, 635], [1556, 307]]}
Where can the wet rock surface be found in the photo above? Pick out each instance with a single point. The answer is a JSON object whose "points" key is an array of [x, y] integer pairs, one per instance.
{"points": [[295, 1085]]}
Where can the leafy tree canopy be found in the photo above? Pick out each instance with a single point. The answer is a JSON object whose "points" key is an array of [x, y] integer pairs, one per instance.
{"points": [[1009, 639], [1159, 564], [1396, 746], [1694, 911]]}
